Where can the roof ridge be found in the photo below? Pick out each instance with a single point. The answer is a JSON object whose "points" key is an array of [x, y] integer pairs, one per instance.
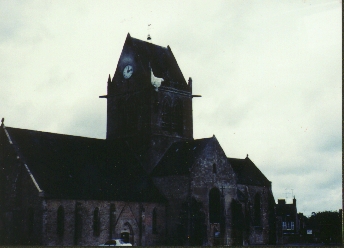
{"points": [[247, 172], [188, 141], [258, 168], [149, 43], [205, 138], [185, 151], [236, 158], [59, 134], [20, 157]]}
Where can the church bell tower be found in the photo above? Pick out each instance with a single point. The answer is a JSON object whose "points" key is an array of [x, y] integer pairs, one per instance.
{"points": [[149, 103]]}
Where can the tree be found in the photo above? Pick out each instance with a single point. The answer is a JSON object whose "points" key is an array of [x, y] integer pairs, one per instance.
{"points": [[326, 226]]}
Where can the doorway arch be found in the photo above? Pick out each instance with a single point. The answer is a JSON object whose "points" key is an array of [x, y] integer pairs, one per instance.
{"points": [[127, 233]]}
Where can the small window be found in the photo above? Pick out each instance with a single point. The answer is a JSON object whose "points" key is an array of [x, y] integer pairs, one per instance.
{"points": [[284, 225], [290, 225], [214, 168]]}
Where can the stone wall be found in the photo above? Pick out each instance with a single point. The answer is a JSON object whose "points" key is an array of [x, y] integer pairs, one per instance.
{"points": [[257, 234], [212, 171], [175, 189], [191, 193], [134, 218]]}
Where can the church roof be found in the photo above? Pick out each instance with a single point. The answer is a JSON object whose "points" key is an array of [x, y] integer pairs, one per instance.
{"points": [[161, 60], [247, 172], [72, 167], [180, 157]]}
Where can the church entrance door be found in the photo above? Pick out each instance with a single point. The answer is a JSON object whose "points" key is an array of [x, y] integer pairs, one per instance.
{"points": [[127, 234]]}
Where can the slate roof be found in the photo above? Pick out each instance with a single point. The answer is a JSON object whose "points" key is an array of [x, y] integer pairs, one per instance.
{"points": [[180, 157], [247, 172], [72, 167], [161, 60]]}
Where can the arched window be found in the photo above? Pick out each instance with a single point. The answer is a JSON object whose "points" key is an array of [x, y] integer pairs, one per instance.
{"points": [[154, 221], [60, 221], [143, 216], [143, 212], [198, 229], [78, 223], [214, 168], [112, 219], [166, 116], [215, 206], [177, 121], [30, 220], [257, 211], [96, 222], [238, 223]]}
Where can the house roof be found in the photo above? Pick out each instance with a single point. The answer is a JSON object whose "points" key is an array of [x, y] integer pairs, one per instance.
{"points": [[286, 209], [161, 60], [180, 157], [72, 167], [247, 172]]}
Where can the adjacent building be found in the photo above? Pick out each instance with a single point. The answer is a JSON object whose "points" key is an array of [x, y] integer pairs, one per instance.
{"points": [[288, 222]]}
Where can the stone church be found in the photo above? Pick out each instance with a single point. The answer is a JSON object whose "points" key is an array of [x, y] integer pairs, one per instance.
{"points": [[149, 182]]}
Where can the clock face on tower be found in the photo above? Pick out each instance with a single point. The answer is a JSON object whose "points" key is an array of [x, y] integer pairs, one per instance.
{"points": [[128, 71]]}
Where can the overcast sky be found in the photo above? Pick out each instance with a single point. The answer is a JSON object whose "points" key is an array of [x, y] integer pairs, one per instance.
{"points": [[269, 73]]}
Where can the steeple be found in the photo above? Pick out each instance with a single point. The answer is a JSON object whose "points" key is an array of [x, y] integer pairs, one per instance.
{"points": [[149, 102]]}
